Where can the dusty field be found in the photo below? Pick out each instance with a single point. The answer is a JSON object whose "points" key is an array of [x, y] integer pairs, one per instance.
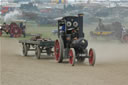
{"points": [[111, 67]]}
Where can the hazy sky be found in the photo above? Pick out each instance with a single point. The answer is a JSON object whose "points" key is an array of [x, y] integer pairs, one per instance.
{"points": [[68, 0]]}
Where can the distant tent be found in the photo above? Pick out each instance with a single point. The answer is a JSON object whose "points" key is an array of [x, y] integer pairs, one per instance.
{"points": [[60, 1]]}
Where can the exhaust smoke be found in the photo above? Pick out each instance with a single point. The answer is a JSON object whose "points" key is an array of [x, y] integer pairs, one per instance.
{"points": [[13, 15]]}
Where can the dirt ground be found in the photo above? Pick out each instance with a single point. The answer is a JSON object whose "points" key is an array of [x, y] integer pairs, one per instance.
{"points": [[111, 67]]}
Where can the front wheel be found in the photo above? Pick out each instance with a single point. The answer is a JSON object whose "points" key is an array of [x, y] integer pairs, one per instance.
{"points": [[92, 57], [72, 56]]}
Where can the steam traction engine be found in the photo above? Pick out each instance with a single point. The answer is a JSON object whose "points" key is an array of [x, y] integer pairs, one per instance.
{"points": [[113, 31], [15, 29], [71, 43]]}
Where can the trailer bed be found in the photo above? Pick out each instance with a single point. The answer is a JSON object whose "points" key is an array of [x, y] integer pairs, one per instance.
{"points": [[39, 46], [38, 42]]}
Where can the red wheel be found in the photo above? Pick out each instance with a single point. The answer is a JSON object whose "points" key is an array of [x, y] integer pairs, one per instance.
{"points": [[58, 50], [0, 32], [15, 31], [92, 57], [72, 56], [125, 38]]}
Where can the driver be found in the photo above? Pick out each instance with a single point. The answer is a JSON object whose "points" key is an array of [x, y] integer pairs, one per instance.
{"points": [[74, 35]]}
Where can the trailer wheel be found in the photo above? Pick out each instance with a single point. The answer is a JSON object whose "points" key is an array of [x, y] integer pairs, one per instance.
{"points": [[0, 32], [38, 52], [25, 50], [92, 57], [72, 56], [58, 50]]}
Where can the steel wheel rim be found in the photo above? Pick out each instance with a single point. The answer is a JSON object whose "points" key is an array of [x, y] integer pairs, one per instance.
{"points": [[71, 57], [91, 54], [24, 50], [57, 50], [37, 52]]}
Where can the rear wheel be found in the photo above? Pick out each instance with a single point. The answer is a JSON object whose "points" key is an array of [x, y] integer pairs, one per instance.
{"points": [[58, 50], [72, 56], [38, 52], [92, 57]]}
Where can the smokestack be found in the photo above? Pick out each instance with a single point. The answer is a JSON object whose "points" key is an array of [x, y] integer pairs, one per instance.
{"points": [[80, 16]]}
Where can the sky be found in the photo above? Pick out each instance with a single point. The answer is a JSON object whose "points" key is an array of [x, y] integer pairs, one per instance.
{"points": [[68, 0]]}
